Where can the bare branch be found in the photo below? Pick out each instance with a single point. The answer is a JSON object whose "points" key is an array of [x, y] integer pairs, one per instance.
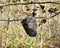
{"points": [[50, 37]]}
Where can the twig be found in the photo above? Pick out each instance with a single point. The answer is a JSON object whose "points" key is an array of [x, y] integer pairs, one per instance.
{"points": [[50, 37]]}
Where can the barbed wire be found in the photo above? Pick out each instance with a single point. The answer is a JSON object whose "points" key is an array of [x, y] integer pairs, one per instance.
{"points": [[9, 20], [3, 5], [35, 18]]}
